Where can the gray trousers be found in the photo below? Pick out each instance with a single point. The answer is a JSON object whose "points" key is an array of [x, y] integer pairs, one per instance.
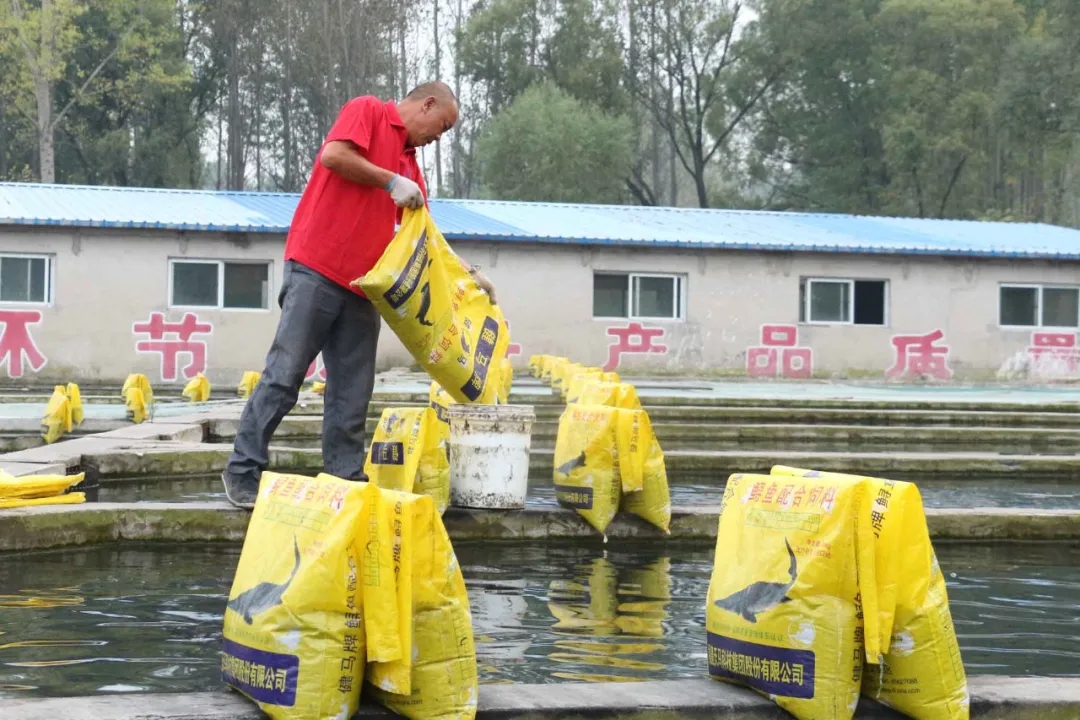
{"points": [[317, 315]]}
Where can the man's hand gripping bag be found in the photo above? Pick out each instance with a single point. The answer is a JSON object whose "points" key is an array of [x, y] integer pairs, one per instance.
{"points": [[784, 614], [436, 678], [295, 639], [438, 311], [922, 674]]}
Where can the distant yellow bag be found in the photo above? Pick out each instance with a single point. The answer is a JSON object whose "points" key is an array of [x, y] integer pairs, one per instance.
{"points": [[922, 674], [438, 679], [75, 400], [197, 389], [434, 472], [562, 373], [585, 477], [595, 391], [74, 498], [535, 365], [393, 458], [580, 380], [547, 366], [318, 387], [791, 609], [36, 486], [437, 310], [298, 620], [653, 502], [247, 383], [57, 419], [138, 380]]}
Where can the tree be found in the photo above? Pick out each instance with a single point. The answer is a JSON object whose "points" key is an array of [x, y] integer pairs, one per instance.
{"points": [[56, 52], [550, 147], [710, 77]]}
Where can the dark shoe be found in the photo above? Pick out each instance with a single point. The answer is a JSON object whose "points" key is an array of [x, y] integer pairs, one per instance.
{"points": [[241, 492]]}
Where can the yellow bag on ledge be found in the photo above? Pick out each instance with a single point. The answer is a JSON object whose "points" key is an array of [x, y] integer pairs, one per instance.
{"points": [[393, 458], [434, 474], [585, 476], [438, 311], [197, 389], [313, 598], [75, 399], [922, 674], [792, 605], [57, 419], [247, 383], [438, 679]]}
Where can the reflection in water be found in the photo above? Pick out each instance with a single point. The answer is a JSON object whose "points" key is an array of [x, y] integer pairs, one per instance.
{"points": [[147, 618]]}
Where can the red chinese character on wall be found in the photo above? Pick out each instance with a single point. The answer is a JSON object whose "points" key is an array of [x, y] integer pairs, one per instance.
{"points": [[917, 355], [778, 354], [170, 348], [17, 346], [634, 339], [1055, 353], [316, 370]]}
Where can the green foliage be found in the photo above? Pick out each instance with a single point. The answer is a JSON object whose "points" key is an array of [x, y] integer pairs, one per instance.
{"points": [[549, 146]]}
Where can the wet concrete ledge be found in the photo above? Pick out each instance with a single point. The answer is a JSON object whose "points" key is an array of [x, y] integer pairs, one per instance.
{"points": [[992, 698], [39, 528]]}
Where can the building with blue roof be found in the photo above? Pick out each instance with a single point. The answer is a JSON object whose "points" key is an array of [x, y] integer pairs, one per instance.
{"points": [[93, 281]]}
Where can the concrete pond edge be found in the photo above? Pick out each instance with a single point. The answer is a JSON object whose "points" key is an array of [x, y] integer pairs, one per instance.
{"points": [[57, 526], [992, 698]]}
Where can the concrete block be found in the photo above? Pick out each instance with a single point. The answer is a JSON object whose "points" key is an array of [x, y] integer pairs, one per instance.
{"points": [[22, 469], [181, 432], [993, 698]]}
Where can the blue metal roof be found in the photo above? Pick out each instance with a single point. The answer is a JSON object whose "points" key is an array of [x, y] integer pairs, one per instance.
{"points": [[682, 228]]}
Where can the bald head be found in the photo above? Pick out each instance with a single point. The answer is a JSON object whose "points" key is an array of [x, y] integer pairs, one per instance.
{"points": [[428, 111]]}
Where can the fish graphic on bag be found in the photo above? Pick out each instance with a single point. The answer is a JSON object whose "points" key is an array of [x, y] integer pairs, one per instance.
{"points": [[265, 595], [760, 597]]}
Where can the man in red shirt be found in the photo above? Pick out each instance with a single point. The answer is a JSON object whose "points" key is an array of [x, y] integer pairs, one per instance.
{"points": [[365, 174]]}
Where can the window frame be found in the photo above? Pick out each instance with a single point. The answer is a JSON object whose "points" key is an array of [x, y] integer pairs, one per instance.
{"points": [[806, 281], [1038, 288], [680, 296], [50, 278], [220, 306]]}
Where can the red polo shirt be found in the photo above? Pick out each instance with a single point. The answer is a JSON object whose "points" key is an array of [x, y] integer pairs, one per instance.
{"points": [[340, 228]]}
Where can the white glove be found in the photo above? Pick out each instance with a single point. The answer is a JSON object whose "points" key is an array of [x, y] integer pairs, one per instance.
{"points": [[405, 193]]}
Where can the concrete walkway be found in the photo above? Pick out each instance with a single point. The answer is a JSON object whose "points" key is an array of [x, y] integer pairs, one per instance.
{"points": [[997, 698]]}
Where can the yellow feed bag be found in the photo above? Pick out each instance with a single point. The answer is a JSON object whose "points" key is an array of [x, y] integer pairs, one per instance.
{"points": [[312, 599], [138, 380], [393, 458], [648, 496], [585, 476], [506, 375], [785, 610], [36, 486], [438, 679], [75, 400], [547, 365], [922, 674], [434, 474], [595, 391], [534, 365], [247, 383], [578, 382], [57, 419], [197, 389], [437, 310]]}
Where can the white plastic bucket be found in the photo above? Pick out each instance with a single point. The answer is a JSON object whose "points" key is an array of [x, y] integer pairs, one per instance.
{"points": [[489, 455]]}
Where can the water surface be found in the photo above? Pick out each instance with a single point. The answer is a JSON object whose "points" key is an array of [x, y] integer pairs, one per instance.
{"points": [[147, 617]]}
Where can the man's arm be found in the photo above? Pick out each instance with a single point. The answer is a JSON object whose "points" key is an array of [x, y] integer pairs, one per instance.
{"points": [[344, 159]]}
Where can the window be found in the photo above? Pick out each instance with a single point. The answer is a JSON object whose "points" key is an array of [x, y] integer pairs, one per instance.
{"points": [[25, 279], [638, 296], [1039, 306], [220, 284], [842, 302]]}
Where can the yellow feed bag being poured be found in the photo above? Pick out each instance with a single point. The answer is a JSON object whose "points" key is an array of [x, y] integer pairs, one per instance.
{"points": [[922, 674], [791, 609], [438, 311]]}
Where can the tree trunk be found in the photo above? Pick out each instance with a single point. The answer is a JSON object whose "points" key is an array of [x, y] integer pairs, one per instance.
{"points": [[46, 132], [438, 74], [286, 103], [3, 141], [235, 120], [456, 148]]}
